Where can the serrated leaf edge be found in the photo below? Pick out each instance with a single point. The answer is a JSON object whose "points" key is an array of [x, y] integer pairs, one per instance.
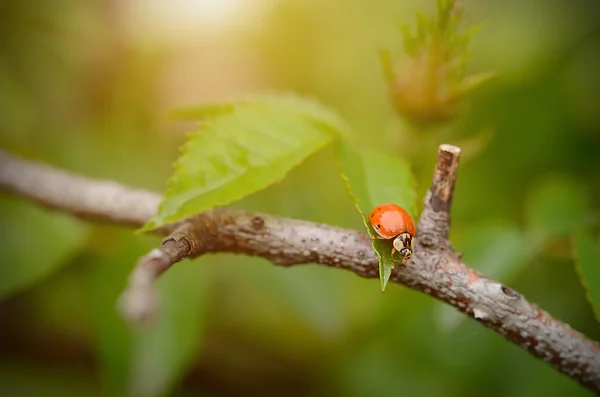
{"points": [[152, 224], [384, 272]]}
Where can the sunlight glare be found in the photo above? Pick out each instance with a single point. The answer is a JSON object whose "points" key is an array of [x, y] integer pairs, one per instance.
{"points": [[177, 21]]}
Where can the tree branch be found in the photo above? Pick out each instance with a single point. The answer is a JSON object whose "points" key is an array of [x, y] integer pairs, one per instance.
{"points": [[85, 198], [434, 224], [188, 239], [435, 270], [138, 302]]}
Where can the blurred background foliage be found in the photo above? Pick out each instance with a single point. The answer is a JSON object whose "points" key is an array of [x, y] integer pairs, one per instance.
{"points": [[86, 85]]}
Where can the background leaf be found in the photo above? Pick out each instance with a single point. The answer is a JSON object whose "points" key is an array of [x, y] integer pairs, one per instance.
{"points": [[557, 206], [587, 255], [237, 153], [286, 102], [151, 360], [373, 179], [110, 268], [27, 230], [376, 178], [164, 351], [195, 113]]}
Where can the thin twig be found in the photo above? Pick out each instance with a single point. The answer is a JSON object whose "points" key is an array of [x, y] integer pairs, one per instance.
{"points": [[435, 270], [138, 302], [188, 239]]}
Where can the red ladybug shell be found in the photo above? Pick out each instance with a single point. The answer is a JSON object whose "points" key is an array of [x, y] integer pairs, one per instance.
{"points": [[389, 220]]}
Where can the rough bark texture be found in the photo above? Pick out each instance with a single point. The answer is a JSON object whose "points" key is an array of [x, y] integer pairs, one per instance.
{"points": [[435, 270]]}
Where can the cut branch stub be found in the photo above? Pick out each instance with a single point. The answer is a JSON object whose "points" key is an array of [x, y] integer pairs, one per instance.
{"points": [[434, 225]]}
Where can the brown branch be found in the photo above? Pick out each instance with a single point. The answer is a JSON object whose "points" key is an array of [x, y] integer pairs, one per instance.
{"points": [[436, 270], [85, 198], [434, 224], [138, 302], [188, 239]]}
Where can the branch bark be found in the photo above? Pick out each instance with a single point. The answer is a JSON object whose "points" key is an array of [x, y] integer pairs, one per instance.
{"points": [[86, 198], [436, 269], [138, 302]]}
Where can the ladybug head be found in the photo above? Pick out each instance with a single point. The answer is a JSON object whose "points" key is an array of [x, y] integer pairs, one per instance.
{"points": [[404, 245]]}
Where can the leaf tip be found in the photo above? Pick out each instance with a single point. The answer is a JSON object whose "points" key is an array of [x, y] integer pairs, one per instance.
{"points": [[149, 226]]}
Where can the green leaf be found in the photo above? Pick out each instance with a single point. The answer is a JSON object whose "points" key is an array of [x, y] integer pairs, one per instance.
{"points": [[240, 152], [500, 251], [308, 108], [383, 250], [556, 207], [587, 260], [195, 113], [149, 361], [324, 308], [373, 179], [289, 103], [108, 274], [35, 243]]}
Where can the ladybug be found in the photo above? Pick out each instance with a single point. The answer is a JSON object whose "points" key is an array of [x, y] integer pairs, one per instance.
{"points": [[391, 221]]}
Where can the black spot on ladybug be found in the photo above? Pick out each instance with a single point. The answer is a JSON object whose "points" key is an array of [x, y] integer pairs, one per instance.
{"points": [[377, 226]]}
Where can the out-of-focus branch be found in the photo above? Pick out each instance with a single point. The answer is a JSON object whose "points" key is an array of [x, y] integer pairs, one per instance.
{"points": [[187, 240], [435, 270], [138, 302], [86, 198]]}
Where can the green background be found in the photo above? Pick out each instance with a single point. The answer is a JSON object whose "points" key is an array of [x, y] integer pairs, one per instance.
{"points": [[86, 89]]}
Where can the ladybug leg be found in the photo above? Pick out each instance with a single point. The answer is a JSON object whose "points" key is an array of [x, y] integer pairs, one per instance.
{"points": [[406, 256]]}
